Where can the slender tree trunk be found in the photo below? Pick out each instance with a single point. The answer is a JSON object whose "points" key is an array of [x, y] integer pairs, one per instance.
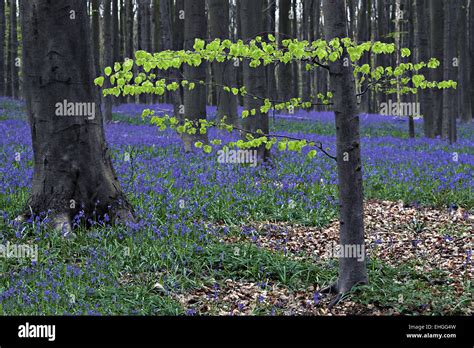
{"points": [[471, 48], [437, 34], [422, 53], [15, 66], [195, 26], [464, 64], [449, 71], [166, 31], [178, 44], [270, 73], [8, 65], [254, 78], [352, 270], [284, 32], [72, 166], [2, 47], [224, 73], [306, 28]]}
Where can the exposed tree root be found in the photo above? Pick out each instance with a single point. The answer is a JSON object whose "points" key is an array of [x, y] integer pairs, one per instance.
{"points": [[61, 222]]}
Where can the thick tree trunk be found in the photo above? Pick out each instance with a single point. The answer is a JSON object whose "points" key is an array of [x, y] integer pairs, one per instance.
{"points": [[2, 47], [284, 32], [448, 129], [436, 39], [72, 166], [195, 26], [108, 50], [464, 65], [254, 78], [96, 34], [352, 270], [224, 73]]}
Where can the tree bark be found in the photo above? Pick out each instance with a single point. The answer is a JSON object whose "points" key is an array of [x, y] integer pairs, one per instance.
{"points": [[72, 166], [254, 78], [422, 53], [2, 47], [284, 32], [352, 271], [195, 26], [437, 34], [448, 130], [224, 73], [108, 50], [14, 50], [464, 65], [178, 44]]}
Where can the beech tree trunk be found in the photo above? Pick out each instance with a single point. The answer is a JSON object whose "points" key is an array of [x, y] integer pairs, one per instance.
{"points": [[436, 39], [195, 26], [254, 78], [108, 50], [2, 47], [464, 65], [178, 44], [224, 73], [72, 165], [284, 32], [450, 67], [15, 67], [349, 166]]}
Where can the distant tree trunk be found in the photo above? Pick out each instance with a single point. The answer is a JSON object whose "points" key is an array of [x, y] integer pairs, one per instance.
{"points": [[254, 78], [270, 69], [2, 47], [449, 71], [436, 39], [363, 34], [166, 31], [239, 67], [352, 270], [306, 31], [129, 29], [115, 31], [382, 33], [14, 49], [284, 32], [178, 44], [224, 73], [471, 48], [72, 166], [195, 26], [108, 54], [464, 65], [295, 80], [422, 53], [8, 65]]}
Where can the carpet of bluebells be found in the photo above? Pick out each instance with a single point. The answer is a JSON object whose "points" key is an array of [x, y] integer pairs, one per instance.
{"points": [[186, 203]]}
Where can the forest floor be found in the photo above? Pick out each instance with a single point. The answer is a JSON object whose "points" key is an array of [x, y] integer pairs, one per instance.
{"points": [[234, 240]]}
